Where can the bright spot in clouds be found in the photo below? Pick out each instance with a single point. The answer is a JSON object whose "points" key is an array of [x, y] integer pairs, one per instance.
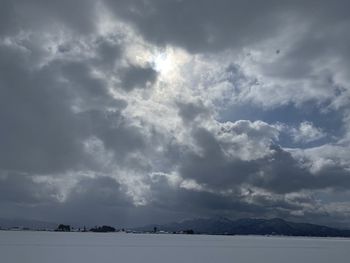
{"points": [[168, 63]]}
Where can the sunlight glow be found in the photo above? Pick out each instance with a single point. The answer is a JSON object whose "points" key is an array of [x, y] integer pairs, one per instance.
{"points": [[168, 62], [164, 62]]}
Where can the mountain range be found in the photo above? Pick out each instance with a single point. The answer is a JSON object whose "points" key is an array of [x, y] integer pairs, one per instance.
{"points": [[26, 223], [248, 226]]}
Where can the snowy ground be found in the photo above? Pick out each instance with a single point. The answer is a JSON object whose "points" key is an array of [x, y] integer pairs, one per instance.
{"points": [[52, 247]]}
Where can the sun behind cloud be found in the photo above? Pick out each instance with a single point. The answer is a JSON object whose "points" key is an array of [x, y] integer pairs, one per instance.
{"points": [[168, 62]]}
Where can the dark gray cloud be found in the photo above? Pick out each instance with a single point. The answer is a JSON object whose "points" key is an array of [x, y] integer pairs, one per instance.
{"points": [[115, 132], [278, 172], [103, 190], [137, 77], [131, 112], [35, 110], [21, 189], [214, 26], [41, 131], [211, 166], [108, 53], [237, 203], [189, 112], [25, 15], [210, 26]]}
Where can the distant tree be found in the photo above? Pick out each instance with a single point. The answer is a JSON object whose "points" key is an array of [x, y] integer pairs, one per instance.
{"points": [[155, 229], [63, 228], [189, 232], [103, 229]]}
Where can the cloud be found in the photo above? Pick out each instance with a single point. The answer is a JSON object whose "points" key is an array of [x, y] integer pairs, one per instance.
{"points": [[25, 15], [307, 133], [133, 110], [34, 110], [138, 77], [211, 27], [24, 190]]}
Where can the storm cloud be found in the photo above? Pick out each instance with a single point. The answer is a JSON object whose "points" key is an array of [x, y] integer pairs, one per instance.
{"points": [[136, 112]]}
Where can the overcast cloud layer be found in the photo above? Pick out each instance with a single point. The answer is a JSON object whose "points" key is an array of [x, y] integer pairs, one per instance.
{"points": [[132, 112]]}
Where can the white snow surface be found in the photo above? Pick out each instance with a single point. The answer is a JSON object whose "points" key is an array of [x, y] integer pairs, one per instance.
{"points": [[54, 247]]}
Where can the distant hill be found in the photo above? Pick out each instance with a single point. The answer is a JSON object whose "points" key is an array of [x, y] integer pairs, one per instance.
{"points": [[247, 226], [6, 223]]}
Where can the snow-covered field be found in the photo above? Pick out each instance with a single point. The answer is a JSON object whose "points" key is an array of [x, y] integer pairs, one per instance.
{"points": [[52, 247]]}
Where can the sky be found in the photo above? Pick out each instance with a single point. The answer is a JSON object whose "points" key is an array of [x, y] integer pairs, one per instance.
{"points": [[130, 112]]}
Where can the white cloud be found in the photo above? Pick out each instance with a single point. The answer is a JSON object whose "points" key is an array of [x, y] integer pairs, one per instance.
{"points": [[137, 108], [307, 132]]}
